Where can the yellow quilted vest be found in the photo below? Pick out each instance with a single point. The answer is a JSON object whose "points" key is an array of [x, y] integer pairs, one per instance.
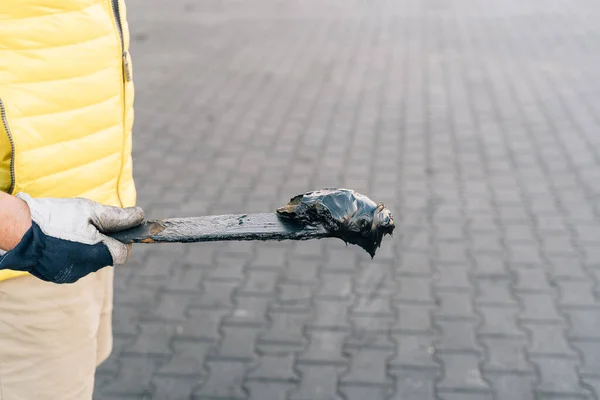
{"points": [[66, 101]]}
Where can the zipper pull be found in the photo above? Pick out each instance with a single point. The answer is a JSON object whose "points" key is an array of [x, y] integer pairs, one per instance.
{"points": [[126, 67]]}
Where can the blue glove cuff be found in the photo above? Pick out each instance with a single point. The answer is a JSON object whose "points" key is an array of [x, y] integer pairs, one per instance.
{"points": [[55, 260]]}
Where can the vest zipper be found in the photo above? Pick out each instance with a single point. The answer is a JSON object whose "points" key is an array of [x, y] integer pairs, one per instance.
{"points": [[117, 14], [12, 146]]}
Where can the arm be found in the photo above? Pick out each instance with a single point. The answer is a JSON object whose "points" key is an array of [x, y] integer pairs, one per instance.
{"points": [[14, 221]]}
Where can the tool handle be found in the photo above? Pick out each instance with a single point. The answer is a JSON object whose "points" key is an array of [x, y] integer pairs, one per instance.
{"points": [[263, 226]]}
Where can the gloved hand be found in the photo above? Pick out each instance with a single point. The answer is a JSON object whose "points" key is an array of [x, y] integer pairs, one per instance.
{"points": [[66, 240]]}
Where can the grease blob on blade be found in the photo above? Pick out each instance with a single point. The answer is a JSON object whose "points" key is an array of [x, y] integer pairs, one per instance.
{"points": [[348, 215]]}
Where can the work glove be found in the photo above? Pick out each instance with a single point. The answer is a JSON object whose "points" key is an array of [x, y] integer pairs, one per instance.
{"points": [[67, 238]]}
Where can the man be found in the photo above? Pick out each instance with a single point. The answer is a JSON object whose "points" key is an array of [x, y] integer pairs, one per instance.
{"points": [[66, 113]]}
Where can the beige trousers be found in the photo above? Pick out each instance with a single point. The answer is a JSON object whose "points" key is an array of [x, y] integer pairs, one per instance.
{"points": [[52, 337]]}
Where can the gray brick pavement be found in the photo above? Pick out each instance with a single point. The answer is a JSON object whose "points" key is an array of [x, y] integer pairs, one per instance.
{"points": [[477, 123]]}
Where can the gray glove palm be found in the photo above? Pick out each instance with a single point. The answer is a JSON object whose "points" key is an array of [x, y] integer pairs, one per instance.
{"points": [[67, 239]]}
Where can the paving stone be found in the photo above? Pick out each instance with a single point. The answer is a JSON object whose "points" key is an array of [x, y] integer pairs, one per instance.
{"points": [[551, 223], [519, 233], [513, 214], [200, 255], [174, 387], [203, 324], [457, 336], [372, 315], [304, 271], [367, 366], [285, 331], [414, 351], [259, 390], [318, 383], [523, 254], [486, 243], [228, 268], [185, 278], [558, 377], [414, 290], [249, 311], [225, 380], [416, 239], [466, 396], [447, 212], [593, 384], [336, 286], [539, 307], [451, 253], [371, 306], [461, 372], [532, 280], [172, 306], [274, 368], [413, 318], [294, 296], [308, 249], [584, 323], [588, 353], [218, 295], [576, 294], [414, 263], [269, 258], [489, 265], [133, 380], [238, 344], [506, 355], [455, 306], [155, 268], [567, 268], [110, 367], [375, 279], [259, 283], [479, 223], [187, 360], [415, 385], [325, 348], [507, 195], [588, 233], [553, 244], [452, 277], [366, 326], [509, 387], [448, 231], [368, 340], [591, 254], [125, 320], [142, 297], [494, 291], [330, 315], [154, 339], [340, 261]]}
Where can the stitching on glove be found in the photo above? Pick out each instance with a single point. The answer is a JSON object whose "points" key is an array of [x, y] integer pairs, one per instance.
{"points": [[64, 275]]}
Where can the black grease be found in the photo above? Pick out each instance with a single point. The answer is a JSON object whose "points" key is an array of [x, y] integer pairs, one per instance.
{"points": [[340, 213], [344, 213], [211, 228]]}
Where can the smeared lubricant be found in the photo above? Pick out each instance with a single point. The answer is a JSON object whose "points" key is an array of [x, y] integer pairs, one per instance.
{"points": [[344, 213], [340, 213]]}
